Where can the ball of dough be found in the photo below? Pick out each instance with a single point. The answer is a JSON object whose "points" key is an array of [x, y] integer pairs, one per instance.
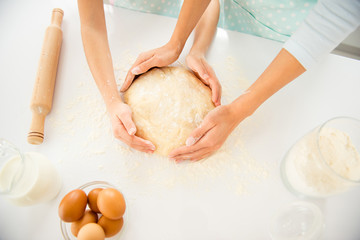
{"points": [[168, 104]]}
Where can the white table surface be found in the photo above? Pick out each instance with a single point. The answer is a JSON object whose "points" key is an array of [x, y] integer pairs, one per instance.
{"points": [[194, 205]]}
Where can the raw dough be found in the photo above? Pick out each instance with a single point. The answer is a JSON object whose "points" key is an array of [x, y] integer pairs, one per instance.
{"points": [[168, 104]]}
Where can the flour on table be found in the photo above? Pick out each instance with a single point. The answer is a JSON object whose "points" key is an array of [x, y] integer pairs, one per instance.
{"points": [[99, 153]]}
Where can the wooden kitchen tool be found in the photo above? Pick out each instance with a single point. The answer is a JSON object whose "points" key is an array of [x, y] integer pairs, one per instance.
{"points": [[41, 101]]}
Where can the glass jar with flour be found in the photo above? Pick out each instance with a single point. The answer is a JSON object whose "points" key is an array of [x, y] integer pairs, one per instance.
{"points": [[26, 178], [326, 161]]}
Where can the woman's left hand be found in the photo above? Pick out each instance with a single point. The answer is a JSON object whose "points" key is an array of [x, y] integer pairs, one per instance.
{"points": [[209, 136], [198, 64]]}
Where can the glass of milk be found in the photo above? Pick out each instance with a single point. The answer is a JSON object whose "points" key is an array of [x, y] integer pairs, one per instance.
{"points": [[26, 178], [326, 161]]}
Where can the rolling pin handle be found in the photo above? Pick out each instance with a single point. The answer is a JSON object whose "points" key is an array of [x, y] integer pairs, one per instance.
{"points": [[57, 16], [36, 134]]}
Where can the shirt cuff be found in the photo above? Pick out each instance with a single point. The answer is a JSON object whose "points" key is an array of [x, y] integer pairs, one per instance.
{"points": [[300, 53]]}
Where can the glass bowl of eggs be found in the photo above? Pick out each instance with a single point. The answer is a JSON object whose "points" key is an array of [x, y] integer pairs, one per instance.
{"points": [[96, 210]]}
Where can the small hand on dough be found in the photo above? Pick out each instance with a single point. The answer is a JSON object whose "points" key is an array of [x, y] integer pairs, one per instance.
{"points": [[124, 128], [209, 136], [198, 64], [158, 57]]}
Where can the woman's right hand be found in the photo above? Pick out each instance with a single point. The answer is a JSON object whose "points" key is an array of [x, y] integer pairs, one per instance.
{"points": [[124, 128], [210, 135]]}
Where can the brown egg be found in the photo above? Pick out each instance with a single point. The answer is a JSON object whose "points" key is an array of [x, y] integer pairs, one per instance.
{"points": [[92, 199], [111, 203], [72, 206], [91, 231], [89, 217], [111, 227]]}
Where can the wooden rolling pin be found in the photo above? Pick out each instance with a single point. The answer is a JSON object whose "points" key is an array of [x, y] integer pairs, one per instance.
{"points": [[41, 101]]}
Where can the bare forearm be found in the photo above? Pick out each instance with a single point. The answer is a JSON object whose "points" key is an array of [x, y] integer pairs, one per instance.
{"points": [[96, 47], [283, 69], [101, 66], [206, 28], [191, 12]]}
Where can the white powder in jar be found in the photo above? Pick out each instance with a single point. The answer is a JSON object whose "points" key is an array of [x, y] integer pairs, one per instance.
{"points": [[320, 165]]}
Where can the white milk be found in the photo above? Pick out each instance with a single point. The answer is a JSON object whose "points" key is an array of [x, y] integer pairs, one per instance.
{"points": [[34, 180]]}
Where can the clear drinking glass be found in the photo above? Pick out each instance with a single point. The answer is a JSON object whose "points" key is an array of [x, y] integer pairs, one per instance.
{"points": [[26, 178], [326, 161], [298, 220]]}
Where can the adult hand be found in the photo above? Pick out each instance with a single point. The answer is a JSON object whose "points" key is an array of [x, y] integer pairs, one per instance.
{"points": [[198, 64], [124, 128], [158, 57], [209, 136]]}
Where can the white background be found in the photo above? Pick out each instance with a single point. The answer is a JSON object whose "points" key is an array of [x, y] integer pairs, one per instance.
{"points": [[83, 149]]}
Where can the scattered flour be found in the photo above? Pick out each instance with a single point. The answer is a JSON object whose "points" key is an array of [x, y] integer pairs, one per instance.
{"points": [[86, 115]]}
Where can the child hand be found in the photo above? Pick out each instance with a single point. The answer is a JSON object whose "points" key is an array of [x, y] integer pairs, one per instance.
{"points": [[159, 57], [124, 128], [198, 64]]}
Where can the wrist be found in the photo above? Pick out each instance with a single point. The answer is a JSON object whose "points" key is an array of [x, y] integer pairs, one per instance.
{"points": [[196, 53], [233, 115], [111, 100], [177, 45], [198, 50], [247, 103]]}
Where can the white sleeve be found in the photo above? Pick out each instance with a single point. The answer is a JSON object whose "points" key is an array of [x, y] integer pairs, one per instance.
{"points": [[327, 25]]}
